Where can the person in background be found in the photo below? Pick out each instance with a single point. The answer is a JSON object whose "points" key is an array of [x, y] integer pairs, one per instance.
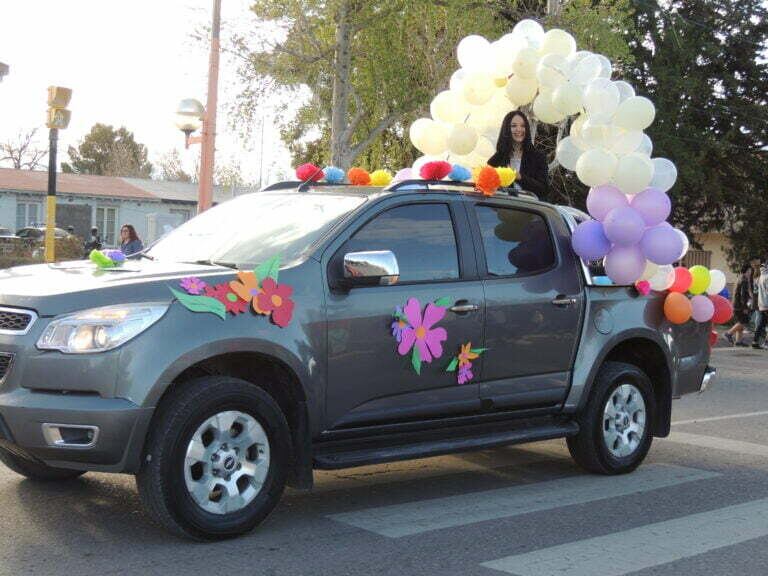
{"points": [[93, 243], [742, 306], [515, 149], [129, 240], [762, 304]]}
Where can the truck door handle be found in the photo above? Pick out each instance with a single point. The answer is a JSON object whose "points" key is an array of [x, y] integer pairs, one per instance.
{"points": [[563, 301], [462, 307]]}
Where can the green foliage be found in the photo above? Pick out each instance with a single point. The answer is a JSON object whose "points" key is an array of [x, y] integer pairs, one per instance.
{"points": [[200, 303], [108, 152], [268, 269]]}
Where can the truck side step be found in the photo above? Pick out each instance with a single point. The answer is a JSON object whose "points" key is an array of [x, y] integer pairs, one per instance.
{"points": [[332, 456]]}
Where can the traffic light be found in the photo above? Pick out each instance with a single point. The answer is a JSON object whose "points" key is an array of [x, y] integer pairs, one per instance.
{"points": [[58, 100], [57, 119]]}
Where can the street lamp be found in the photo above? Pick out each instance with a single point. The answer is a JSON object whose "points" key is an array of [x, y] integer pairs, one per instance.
{"points": [[189, 118]]}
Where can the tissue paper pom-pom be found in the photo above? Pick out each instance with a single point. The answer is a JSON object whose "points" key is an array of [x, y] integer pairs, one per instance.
{"points": [[333, 175], [459, 173], [435, 170], [358, 177], [309, 171], [506, 175], [488, 180], [380, 178]]}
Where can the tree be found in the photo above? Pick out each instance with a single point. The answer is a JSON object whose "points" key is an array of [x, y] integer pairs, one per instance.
{"points": [[108, 152], [171, 170], [22, 152], [227, 174]]}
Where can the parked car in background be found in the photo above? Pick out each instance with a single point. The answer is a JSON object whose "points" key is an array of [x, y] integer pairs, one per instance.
{"points": [[6, 233], [37, 233]]}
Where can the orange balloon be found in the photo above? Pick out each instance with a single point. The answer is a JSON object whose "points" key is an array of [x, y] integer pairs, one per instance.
{"points": [[677, 308]]}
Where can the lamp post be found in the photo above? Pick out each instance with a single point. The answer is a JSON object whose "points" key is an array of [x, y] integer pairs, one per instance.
{"points": [[190, 113]]}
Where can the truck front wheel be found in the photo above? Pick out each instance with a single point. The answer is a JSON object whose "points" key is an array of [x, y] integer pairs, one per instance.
{"points": [[616, 424], [216, 459]]}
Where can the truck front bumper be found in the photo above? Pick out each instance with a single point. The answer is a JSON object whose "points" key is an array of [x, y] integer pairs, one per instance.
{"points": [[709, 378], [83, 432]]}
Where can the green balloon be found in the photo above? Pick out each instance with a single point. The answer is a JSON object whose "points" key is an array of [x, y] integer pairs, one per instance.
{"points": [[700, 281]]}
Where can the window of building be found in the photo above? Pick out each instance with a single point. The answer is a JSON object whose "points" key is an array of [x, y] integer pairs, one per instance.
{"points": [[185, 213], [516, 242], [28, 214], [697, 257], [106, 222]]}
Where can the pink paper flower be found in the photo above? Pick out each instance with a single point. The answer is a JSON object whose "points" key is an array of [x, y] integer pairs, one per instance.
{"points": [[465, 373], [193, 285], [399, 325], [428, 340]]}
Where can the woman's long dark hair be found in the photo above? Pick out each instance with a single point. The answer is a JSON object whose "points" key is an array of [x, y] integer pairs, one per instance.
{"points": [[131, 232], [505, 142]]}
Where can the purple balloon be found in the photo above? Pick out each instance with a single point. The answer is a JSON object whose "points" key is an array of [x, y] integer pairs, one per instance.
{"points": [[653, 205], [603, 199], [589, 240], [702, 308], [624, 264], [661, 244], [403, 174], [624, 226]]}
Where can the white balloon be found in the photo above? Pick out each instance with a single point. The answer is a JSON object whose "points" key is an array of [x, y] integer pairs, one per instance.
{"points": [[551, 71], [624, 141], [662, 279], [525, 63], [601, 99], [499, 106], [503, 53], [473, 51], [567, 153], [478, 88], [717, 282], [625, 90], [568, 98], [434, 139], [558, 41], [646, 146], [483, 150], [530, 31], [686, 243], [635, 113], [595, 134], [650, 271], [606, 68], [462, 139], [521, 90], [545, 111], [457, 79], [449, 106], [418, 129], [596, 167], [575, 132], [586, 70], [664, 174], [633, 173]]}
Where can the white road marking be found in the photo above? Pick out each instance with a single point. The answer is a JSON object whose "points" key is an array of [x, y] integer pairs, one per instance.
{"points": [[416, 517], [645, 547], [739, 446], [725, 417]]}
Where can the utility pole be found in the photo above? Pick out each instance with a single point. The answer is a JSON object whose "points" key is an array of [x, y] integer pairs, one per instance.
{"points": [[205, 196], [58, 119]]}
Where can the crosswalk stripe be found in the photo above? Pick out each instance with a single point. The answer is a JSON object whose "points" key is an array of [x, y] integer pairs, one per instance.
{"points": [[644, 547], [719, 443], [400, 520]]}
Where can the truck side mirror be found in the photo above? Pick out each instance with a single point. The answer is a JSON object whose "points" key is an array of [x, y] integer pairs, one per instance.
{"points": [[375, 268]]}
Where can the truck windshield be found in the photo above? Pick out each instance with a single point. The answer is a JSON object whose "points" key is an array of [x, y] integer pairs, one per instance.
{"points": [[250, 229]]}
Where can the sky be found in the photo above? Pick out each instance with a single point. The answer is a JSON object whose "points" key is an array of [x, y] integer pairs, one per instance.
{"points": [[128, 64]]}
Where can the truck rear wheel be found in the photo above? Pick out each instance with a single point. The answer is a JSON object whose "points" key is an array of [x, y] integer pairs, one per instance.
{"points": [[616, 424], [216, 460], [36, 470]]}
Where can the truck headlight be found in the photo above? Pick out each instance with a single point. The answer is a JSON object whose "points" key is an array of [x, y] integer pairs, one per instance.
{"points": [[99, 329]]}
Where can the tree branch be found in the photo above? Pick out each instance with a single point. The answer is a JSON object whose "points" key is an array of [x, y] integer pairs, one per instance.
{"points": [[383, 124]]}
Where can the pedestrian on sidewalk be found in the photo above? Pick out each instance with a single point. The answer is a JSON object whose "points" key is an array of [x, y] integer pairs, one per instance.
{"points": [[762, 304], [742, 306]]}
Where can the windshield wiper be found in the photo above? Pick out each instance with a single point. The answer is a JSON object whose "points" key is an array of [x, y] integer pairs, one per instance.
{"points": [[147, 256], [213, 263]]}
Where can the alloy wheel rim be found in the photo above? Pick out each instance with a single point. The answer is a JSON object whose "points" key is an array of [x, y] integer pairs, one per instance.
{"points": [[226, 462], [624, 420]]}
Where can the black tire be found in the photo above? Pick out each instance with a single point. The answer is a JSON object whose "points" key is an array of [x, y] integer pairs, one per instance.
{"points": [[161, 482], [37, 470], [588, 448]]}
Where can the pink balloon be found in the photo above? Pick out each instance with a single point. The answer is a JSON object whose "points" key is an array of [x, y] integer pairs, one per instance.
{"points": [[603, 199], [703, 308]]}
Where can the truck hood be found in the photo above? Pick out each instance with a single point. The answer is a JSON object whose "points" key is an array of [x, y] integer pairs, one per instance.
{"points": [[53, 289]]}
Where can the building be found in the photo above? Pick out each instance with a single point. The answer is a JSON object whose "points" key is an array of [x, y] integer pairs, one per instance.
{"points": [[106, 202]]}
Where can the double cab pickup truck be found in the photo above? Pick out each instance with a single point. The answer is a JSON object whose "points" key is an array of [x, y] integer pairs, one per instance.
{"points": [[312, 327]]}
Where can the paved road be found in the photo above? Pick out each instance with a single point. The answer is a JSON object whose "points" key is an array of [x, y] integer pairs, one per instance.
{"points": [[698, 506]]}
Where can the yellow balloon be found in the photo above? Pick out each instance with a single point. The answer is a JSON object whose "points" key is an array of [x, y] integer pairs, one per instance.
{"points": [[521, 90], [700, 282]]}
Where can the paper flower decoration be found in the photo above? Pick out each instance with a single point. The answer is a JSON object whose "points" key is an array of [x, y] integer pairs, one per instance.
{"points": [[358, 177], [643, 287], [463, 361], [333, 175], [274, 298], [247, 288], [506, 176], [103, 260], [436, 170], [380, 178], [459, 173], [309, 172], [487, 180], [420, 337], [116, 256], [399, 324], [193, 285], [224, 294]]}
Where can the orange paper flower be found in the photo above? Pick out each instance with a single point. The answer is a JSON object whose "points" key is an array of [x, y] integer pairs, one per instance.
{"points": [[466, 354], [358, 177], [247, 288], [488, 180]]}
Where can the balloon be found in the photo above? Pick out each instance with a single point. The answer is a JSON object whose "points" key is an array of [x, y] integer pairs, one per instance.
{"points": [[664, 174], [633, 173], [595, 134], [567, 153], [478, 88], [435, 140], [503, 53], [545, 111], [702, 308], [550, 70], [717, 282], [661, 244], [462, 139], [567, 98], [681, 280], [635, 113], [521, 90], [418, 129], [450, 107], [723, 310], [713, 338], [596, 167], [525, 63], [623, 226], [589, 240], [677, 308], [606, 69], [643, 287], [725, 293], [402, 174], [624, 264], [586, 70], [576, 128], [653, 205], [650, 270], [472, 51], [603, 199], [601, 99], [531, 31], [663, 278], [457, 80], [484, 150], [625, 90], [684, 240], [646, 149], [558, 41], [700, 279], [624, 141]]}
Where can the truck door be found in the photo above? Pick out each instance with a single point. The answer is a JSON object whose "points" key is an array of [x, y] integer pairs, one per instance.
{"points": [[534, 302], [369, 382]]}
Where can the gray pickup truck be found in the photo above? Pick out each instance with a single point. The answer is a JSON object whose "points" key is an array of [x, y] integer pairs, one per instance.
{"points": [[405, 322]]}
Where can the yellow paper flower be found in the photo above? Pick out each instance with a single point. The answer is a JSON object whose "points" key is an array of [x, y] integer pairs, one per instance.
{"points": [[381, 178], [507, 176]]}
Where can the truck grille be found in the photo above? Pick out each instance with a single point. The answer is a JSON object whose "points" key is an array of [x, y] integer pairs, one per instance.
{"points": [[15, 321], [5, 364]]}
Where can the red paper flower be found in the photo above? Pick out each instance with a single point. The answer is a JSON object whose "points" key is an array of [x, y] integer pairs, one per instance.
{"points": [[358, 177], [275, 298], [309, 171], [488, 180], [435, 170], [232, 302]]}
